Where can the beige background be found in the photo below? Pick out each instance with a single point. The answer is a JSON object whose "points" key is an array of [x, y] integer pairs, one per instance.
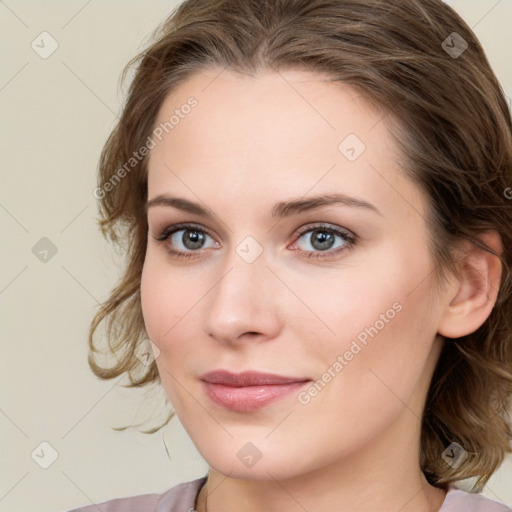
{"points": [[55, 115]]}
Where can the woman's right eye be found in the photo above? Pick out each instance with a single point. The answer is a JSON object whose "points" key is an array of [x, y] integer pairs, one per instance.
{"points": [[185, 240]]}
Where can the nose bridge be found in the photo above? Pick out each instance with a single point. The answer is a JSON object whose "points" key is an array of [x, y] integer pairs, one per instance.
{"points": [[243, 298]]}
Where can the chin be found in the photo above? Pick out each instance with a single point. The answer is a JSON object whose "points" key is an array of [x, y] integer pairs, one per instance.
{"points": [[271, 470], [243, 460]]}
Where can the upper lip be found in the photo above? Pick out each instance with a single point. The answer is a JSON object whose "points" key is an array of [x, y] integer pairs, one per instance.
{"points": [[248, 378]]}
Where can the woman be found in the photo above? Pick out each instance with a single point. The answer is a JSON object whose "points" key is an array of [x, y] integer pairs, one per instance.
{"points": [[313, 198]]}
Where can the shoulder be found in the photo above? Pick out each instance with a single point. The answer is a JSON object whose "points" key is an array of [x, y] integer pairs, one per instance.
{"points": [[458, 500], [180, 498]]}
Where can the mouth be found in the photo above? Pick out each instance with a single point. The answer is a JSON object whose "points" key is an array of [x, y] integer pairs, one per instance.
{"points": [[248, 391]]}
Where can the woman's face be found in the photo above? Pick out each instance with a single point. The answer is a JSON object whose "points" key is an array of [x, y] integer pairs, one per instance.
{"points": [[297, 248]]}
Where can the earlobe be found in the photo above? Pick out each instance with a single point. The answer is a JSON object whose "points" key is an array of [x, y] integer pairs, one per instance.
{"points": [[476, 288]]}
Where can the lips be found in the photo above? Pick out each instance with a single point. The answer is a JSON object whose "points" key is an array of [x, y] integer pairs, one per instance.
{"points": [[250, 378], [248, 391]]}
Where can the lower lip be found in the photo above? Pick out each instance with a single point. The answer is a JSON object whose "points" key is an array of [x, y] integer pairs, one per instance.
{"points": [[249, 398]]}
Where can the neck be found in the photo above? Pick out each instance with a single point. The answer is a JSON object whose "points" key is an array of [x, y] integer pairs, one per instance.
{"points": [[273, 496], [374, 478]]}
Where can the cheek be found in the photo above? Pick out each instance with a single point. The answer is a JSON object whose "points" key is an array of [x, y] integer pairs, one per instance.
{"points": [[151, 300], [165, 300], [381, 327], [369, 373], [171, 309], [381, 361], [163, 303]]}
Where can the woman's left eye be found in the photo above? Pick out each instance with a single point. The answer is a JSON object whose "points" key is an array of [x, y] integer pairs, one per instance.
{"points": [[326, 241], [322, 241]]}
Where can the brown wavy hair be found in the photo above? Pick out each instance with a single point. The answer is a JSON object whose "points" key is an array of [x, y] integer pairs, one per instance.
{"points": [[451, 123]]}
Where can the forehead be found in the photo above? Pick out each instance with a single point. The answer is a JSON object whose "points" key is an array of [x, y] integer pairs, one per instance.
{"points": [[290, 131], [267, 103]]}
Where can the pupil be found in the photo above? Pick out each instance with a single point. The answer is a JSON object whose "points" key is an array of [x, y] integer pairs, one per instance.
{"points": [[193, 239], [325, 240]]}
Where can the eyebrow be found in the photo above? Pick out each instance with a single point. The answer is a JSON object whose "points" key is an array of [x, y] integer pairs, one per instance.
{"points": [[279, 211]]}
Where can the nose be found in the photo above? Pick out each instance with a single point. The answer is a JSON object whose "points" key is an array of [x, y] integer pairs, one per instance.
{"points": [[245, 303]]}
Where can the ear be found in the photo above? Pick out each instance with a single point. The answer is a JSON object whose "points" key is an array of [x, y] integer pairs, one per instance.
{"points": [[475, 289]]}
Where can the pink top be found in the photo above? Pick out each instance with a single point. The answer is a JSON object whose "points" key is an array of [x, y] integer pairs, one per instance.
{"points": [[182, 498]]}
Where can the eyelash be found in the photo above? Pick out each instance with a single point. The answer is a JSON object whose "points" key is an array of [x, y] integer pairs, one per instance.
{"points": [[349, 238]]}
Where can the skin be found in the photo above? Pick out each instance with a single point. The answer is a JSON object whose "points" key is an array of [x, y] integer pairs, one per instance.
{"points": [[250, 143]]}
